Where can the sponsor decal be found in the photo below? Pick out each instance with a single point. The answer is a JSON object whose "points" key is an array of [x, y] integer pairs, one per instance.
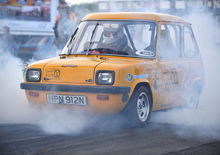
{"points": [[146, 53], [53, 74], [57, 73], [129, 77], [170, 77], [140, 76]]}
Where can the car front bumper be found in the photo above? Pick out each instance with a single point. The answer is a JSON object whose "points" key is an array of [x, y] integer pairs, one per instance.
{"points": [[115, 101]]}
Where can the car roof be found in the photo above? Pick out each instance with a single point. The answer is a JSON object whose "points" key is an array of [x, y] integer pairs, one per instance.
{"points": [[157, 17]]}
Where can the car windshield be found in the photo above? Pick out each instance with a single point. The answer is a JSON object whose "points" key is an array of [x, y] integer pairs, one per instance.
{"points": [[124, 38]]}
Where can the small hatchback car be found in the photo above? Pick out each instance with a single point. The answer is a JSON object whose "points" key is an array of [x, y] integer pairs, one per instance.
{"points": [[121, 62]]}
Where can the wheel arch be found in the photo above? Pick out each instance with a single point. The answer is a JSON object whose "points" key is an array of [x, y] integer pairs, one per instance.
{"points": [[198, 84], [130, 106], [146, 85]]}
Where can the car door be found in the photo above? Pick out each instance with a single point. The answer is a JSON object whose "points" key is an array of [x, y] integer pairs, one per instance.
{"points": [[170, 67]]}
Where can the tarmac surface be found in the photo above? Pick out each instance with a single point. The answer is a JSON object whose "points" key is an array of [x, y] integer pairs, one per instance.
{"points": [[153, 140]]}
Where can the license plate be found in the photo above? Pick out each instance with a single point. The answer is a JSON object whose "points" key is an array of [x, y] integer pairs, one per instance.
{"points": [[66, 99]]}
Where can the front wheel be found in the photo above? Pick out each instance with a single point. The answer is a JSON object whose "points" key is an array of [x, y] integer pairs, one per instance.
{"points": [[139, 107]]}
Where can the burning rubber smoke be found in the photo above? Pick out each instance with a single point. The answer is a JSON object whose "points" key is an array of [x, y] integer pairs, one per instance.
{"points": [[204, 121], [15, 109], [13, 106]]}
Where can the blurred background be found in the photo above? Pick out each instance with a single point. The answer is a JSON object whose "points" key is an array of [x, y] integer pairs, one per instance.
{"points": [[38, 29]]}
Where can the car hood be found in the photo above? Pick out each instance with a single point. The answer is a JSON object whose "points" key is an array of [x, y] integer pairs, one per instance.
{"points": [[81, 69], [78, 70]]}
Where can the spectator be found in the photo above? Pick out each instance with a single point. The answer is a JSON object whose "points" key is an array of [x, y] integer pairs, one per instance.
{"points": [[65, 25], [7, 41]]}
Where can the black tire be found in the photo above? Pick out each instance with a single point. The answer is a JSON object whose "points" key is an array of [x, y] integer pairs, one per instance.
{"points": [[139, 107]]}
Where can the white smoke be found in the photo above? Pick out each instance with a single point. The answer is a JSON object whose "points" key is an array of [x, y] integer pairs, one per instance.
{"points": [[62, 121], [205, 121], [14, 107]]}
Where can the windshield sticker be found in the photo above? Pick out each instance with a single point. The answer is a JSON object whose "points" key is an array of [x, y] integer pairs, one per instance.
{"points": [[145, 53]]}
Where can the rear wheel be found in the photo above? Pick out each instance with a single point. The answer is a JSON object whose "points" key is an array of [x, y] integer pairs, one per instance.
{"points": [[139, 107], [192, 101]]}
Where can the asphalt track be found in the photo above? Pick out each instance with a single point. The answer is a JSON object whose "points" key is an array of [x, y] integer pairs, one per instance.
{"points": [[152, 140]]}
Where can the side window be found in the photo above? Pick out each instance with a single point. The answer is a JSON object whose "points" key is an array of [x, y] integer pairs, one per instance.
{"points": [[141, 34], [144, 38], [189, 46], [170, 41]]}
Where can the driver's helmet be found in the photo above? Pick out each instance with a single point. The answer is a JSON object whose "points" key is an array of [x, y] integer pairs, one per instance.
{"points": [[112, 32], [114, 37]]}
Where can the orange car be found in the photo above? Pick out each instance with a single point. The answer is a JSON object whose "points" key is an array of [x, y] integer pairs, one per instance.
{"points": [[121, 62]]}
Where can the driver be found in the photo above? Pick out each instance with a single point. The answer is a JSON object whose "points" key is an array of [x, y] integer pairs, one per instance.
{"points": [[114, 38]]}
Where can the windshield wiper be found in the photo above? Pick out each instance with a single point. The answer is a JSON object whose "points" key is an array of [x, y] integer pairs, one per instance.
{"points": [[72, 38], [90, 42]]}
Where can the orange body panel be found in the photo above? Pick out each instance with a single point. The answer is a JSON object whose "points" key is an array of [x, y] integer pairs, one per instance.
{"points": [[134, 16]]}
